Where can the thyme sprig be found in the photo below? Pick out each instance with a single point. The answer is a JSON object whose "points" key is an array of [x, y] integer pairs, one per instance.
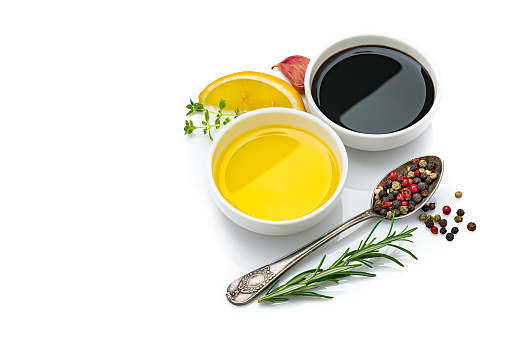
{"points": [[207, 126], [348, 264]]}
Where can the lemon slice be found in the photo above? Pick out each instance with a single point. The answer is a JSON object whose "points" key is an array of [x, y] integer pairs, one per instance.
{"points": [[249, 91]]}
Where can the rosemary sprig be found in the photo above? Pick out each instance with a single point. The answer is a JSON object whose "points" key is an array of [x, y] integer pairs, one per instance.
{"points": [[207, 126], [349, 263]]}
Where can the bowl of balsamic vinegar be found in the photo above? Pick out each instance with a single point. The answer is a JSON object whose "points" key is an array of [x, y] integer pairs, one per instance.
{"points": [[377, 92]]}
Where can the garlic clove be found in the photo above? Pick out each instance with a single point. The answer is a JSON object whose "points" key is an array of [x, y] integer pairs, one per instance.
{"points": [[294, 68]]}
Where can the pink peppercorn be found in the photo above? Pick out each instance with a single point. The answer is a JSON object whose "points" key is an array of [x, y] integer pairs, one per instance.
{"points": [[414, 188]]}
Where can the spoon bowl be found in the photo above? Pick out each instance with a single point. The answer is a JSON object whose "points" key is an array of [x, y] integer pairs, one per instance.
{"points": [[402, 170], [244, 289]]}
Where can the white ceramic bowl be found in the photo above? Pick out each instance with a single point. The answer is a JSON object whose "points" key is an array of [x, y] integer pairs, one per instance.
{"points": [[268, 116], [374, 142]]}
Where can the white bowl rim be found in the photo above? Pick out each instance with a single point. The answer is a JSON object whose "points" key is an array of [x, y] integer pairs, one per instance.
{"points": [[247, 115], [437, 84]]}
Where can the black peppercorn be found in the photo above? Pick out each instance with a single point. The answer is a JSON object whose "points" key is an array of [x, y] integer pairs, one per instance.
{"points": [[396, 204], [422, 186], [443, 230], [424, 193], [471, 226], [416, 197], [442, 222], [454, 230], [382, 194], [460, 212], [417, 180], [383, 212], [432, 206], [377, 207], [425, 208], [429, 180], [429, 223], [449, 236], [414, 167], [396, 212]]}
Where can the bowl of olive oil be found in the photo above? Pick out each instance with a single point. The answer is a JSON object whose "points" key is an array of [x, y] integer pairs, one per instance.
{"points": [[277, 171]]}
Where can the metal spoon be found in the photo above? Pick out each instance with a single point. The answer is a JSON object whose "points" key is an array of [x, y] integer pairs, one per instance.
{"points": [[247, 287]]}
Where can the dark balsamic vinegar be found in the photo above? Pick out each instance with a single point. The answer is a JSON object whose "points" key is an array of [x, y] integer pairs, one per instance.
{"points": [[373, 89]]}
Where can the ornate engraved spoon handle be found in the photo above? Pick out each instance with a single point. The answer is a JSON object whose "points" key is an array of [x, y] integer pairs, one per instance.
{"points": [[247, 287]]}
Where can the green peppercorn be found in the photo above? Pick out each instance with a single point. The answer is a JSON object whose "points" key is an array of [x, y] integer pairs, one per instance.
{"points": [[403, 209], [458, 218], [437, 218], [458, 194], [389, 215], [396, 185], [430, 217], [423, 163], [410, 174], [423, 217], [433, 175]]}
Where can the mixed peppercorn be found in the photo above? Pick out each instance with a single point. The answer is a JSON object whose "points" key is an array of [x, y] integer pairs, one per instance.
{"points": [[399, 194], [429, 220]]}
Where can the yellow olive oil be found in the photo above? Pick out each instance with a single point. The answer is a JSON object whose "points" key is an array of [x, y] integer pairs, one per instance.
{"points": [[276, 172]]}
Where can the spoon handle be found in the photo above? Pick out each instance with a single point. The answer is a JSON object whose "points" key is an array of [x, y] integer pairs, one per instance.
{"points": [[245, 288]]}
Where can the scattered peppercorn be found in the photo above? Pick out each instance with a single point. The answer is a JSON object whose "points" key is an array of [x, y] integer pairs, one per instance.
{"points": [[460, 212], [423, 217], [458, 194], [430, 217], [437, 218], [458, 218], [443, 230], [429, 223], [434, 230], [454, 230], [432, 206], [446, 209], [442, 222], [449, 237], [471, 226]]}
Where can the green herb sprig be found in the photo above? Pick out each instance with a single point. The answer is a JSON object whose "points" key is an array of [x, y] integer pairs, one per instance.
{"points": [[346, 265], [207, 126]]}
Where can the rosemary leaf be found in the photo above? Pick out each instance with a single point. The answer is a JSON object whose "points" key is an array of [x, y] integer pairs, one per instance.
{"points": [[302, 283]]}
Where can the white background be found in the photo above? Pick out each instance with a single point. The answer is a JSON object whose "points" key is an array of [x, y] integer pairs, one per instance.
{"points": [[107, 224]]}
